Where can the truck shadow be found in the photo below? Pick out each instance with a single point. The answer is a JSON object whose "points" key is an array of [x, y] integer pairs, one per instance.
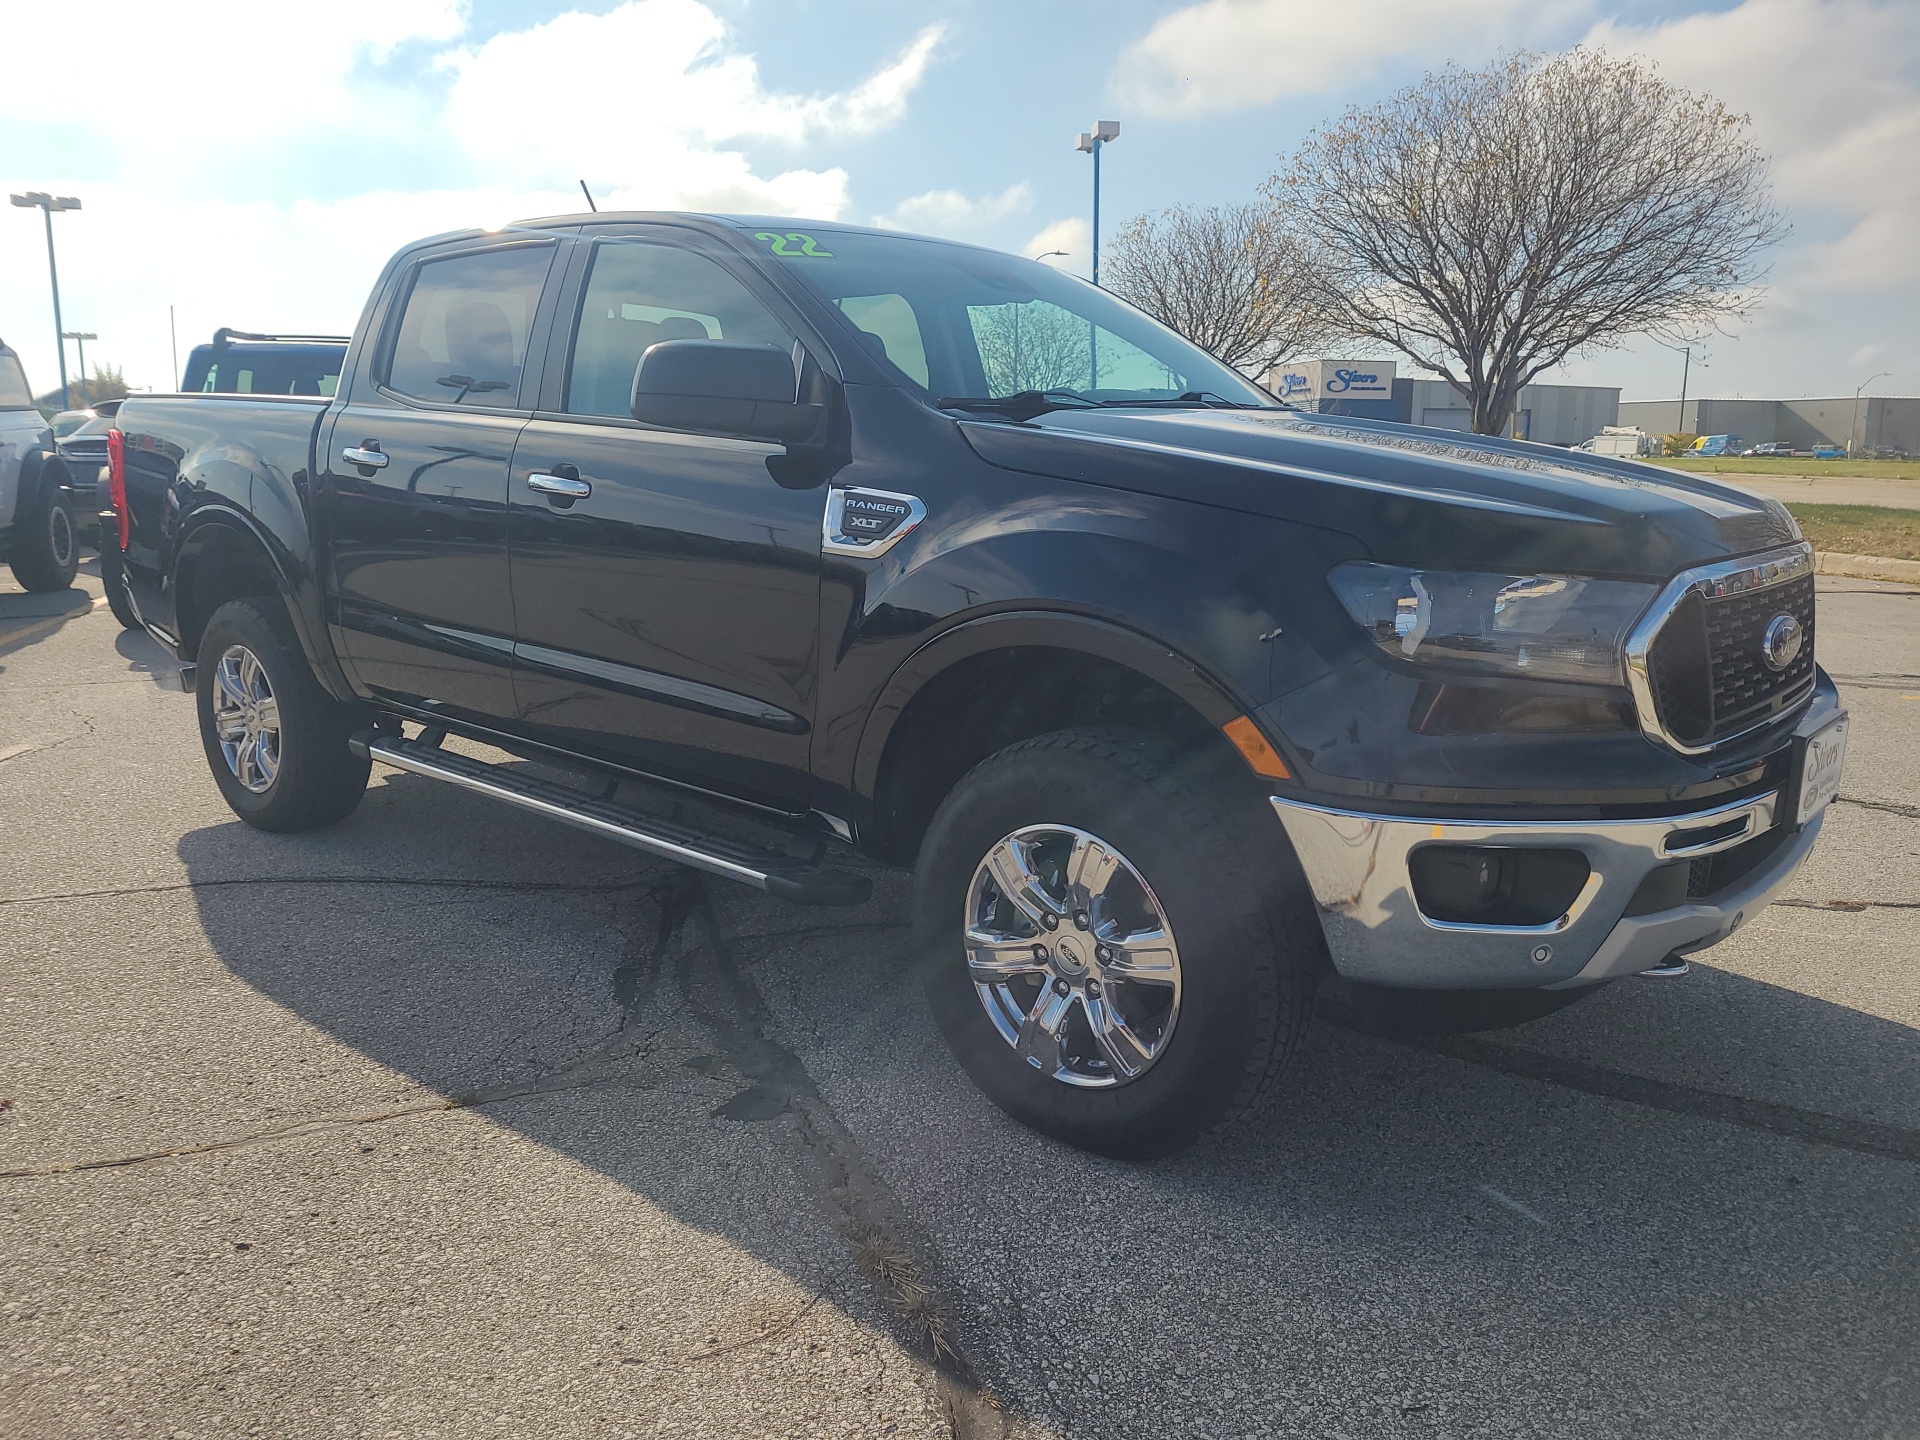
{"points": [[1396, 1240], [28, 617]]}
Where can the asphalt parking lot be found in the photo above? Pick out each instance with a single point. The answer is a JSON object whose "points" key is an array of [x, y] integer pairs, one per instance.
{"points": [[449, 1121]]}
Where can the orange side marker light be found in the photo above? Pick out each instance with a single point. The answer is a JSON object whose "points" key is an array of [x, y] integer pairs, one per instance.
{"points": [[1253, 747]]}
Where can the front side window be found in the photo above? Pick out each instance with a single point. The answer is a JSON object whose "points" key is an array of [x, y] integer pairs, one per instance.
{"points": [[639, 294], [14, 394], [463, 335]]}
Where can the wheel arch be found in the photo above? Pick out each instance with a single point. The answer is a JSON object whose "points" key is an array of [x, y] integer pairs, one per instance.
{"points": [[223, 556], [946, 708]]}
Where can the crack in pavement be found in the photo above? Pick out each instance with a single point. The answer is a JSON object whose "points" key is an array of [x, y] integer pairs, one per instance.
{"points": [[865, 1211], [1864, 1137], [1850, 906], [575, 887], [1910, 812]]}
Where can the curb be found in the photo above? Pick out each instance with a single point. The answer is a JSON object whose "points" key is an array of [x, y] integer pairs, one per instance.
{"points": [[1867, 567]]}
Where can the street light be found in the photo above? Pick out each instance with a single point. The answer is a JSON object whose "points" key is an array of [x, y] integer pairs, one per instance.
{"points": [[82, 336], [1855, 425], [1105, 132], [47, 204], [1049, 254]]}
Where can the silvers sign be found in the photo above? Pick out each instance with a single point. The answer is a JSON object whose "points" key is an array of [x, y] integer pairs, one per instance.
{"points": [[1333, 380]]}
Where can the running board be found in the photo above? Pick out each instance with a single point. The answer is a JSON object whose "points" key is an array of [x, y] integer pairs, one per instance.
{"points": [[780, 876]]}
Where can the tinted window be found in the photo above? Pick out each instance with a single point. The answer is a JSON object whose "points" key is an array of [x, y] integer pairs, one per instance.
{"points": [[639, 295], [888, 325], [463, 335], [14, 394]]}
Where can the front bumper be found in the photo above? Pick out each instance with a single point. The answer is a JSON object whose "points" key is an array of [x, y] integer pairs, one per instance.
{"points": [[1357, 868]]}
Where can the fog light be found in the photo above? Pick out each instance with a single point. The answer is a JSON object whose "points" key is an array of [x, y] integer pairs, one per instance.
{"points": [[1496, 885]]}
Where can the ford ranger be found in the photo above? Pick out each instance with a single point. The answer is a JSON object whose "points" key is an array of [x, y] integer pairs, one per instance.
{"points": [[1175, 700]]}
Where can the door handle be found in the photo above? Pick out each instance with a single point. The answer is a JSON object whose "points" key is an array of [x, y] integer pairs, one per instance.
{"points": [[568, 487], [367, 454]]}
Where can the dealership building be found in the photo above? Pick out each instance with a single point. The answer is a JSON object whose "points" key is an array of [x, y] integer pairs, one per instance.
{"points": [[1369, 389], [1862, 424]]}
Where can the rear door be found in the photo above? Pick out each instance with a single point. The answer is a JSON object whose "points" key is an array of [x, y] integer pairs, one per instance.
{"points": [[667, 618], [417, 466]]}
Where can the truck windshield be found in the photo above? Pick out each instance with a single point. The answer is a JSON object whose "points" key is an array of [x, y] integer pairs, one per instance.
{"points": [[953, 320], [282, 369]]}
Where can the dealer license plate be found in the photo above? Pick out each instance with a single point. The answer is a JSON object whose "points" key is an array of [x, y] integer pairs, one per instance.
{"points": [[1820, 767]]}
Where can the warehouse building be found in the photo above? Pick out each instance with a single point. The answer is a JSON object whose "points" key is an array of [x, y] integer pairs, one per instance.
{"points": [[1369, 389], [1862, 425]]}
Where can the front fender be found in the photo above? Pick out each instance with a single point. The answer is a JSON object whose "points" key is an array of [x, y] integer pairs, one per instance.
{"points": [[1221, 609]]}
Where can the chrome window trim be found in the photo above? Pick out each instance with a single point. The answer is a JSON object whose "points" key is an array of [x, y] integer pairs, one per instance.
{"points": [[1710, 582]]}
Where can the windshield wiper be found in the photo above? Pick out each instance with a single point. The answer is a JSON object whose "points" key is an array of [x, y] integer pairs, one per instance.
{"points": [[1023, 405], [1206, 399]]}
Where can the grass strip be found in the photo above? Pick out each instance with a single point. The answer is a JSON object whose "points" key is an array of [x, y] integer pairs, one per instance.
{"points": [[1861, 529], [1790, 466]]}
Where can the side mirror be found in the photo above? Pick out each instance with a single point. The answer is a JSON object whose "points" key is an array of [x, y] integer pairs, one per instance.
{"points": [[722, 387]]}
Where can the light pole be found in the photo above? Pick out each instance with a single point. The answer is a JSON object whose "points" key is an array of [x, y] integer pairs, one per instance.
{"points": [[1105, 132], [81, 336], [1855, 425], [47, 204]]}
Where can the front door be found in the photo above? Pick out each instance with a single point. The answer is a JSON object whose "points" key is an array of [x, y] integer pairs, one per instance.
{"points": [[418, 463], [666, 617]]}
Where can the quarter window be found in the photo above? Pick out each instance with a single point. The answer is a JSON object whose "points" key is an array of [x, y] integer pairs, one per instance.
{"points": [[640, 294], [463, 334]]}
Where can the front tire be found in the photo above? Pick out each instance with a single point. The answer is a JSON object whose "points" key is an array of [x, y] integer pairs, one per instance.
{"points": [[275, 741], [1108, 954], [47, 552]]}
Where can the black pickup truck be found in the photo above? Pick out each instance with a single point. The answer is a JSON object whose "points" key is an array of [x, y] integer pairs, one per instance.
{"points": [[769, 545]]}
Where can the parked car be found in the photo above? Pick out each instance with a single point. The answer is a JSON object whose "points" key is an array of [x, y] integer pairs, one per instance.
{"points": [[38, 536], [85, 451], [241, 362], [1172, 698], [1829, 452], [68, 421], [1708, 445], [1771, 447]]}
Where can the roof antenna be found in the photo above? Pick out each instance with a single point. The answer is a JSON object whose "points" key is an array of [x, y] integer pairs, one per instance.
{"points": [[589, 194]]}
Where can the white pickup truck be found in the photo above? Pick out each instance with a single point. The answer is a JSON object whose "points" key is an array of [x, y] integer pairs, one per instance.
{"points": [[37, 533]]}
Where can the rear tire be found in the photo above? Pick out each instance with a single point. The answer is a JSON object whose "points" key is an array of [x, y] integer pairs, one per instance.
{"points": [[1203, 1018], [275, 741], [113, 579], [46, 552]]}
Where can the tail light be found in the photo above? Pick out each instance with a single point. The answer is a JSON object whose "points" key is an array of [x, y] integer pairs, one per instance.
{"points": [[117, 483]]}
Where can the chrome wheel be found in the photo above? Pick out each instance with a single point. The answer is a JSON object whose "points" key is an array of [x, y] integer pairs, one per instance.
{"points": [[60, 536], [246, 718], [1072, 956]]}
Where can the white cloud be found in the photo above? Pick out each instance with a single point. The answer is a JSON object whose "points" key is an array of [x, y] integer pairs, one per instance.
{"points": [[1075, 236], [148, 73], [1833, 90], [1229, 54], [644, 98], [952, 213]]}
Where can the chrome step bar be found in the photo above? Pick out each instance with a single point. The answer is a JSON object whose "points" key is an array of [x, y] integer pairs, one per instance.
{"points": [[781, 876]]}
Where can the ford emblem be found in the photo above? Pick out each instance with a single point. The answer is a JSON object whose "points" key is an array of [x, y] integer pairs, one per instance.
{"points": [[1781, 644]]}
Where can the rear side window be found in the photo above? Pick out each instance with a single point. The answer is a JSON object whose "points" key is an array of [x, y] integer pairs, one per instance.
{"points": [[14, 394], [639, 295], [463, 335]]}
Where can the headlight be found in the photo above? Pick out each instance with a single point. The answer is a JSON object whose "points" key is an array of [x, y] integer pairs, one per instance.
{"points": [[1548, 627]]}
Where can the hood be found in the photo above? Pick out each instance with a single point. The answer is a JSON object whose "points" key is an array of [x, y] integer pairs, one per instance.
{"points": [[1409, 495]]}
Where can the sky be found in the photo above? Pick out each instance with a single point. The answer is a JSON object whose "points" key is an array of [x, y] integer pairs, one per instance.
{"points": [[252, 163]]}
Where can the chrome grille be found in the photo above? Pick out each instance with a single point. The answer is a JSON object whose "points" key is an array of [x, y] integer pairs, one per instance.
{"points": [[1696, 664]]}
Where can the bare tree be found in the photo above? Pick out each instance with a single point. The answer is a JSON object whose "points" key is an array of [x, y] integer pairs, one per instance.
{"points": [[1488, 224], [1231, 280], [1034, 346]]}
